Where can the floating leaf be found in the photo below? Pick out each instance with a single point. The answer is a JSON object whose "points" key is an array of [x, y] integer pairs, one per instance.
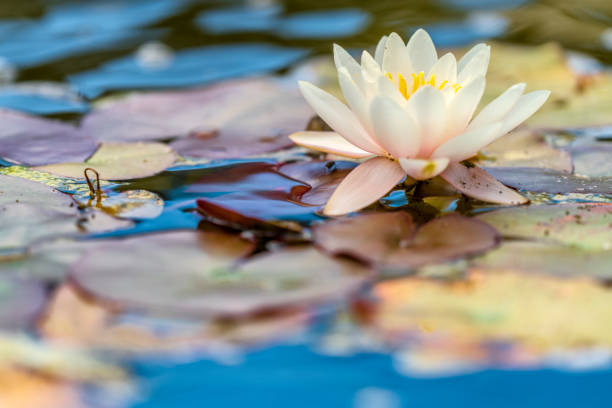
{"points": [[56, 362], [188, 67], [537, 257], [533, 310], [42, 98], [132, 204], [36, 141], [191, 273], [227, 120], [550, 181], [580, 225], [393, 240], [593, 160], [476, 183], [120, 161], [30, 211], [20, 302], [252, 194], [73, 320], [322, 176], [525, 149], [314, 24], [23, 389]]}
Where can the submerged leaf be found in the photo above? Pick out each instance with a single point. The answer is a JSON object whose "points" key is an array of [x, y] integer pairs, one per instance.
{"points": [[120, 161], [393, 240]]}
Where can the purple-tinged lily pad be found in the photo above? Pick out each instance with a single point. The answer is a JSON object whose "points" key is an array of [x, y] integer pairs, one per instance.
{"points": [[30, 211], [195, 273], [580, 225], [393, 240], [227, 120], [593, 160], [33, 141], [20, 302], [477, 183], [550, 181]]}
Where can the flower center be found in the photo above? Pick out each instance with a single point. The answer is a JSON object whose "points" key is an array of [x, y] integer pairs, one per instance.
{"points": [[418, 81]]}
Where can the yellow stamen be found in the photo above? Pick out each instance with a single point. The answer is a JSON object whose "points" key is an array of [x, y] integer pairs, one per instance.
{"points": [[432, 81], [402, 86], [418, 81]]}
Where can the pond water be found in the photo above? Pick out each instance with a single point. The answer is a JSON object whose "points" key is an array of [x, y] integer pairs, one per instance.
{"points": [[58, 58]]}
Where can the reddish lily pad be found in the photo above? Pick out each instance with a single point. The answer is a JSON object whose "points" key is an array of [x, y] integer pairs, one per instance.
{"points": [[194, 273], [322, 176], [33, 141], [252, 194], [394, 240], [227, 120], [579, 225]]}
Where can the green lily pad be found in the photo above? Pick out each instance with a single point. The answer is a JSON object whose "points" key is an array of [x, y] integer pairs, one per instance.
{"points": [[525, 149], [120, 161], [541, 257], [584, 226]]}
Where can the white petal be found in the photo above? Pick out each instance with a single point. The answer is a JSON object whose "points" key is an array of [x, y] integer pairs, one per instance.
{"points": [[329, 142], [421, 51], [467, 144], [388, 89], [499, 107], [428, 107], [469, 55], [396, 59], [355, 98], [380, 50], [526, 106], [477, 66], [445, 69], [477, 183], [364, 185], [369, 66], [338, 117], [462, 107], [343, 59], [394, 129], [423, 169]]}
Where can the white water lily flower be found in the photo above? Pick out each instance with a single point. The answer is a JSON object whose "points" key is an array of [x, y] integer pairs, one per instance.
{"points": [[411, 113]]}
